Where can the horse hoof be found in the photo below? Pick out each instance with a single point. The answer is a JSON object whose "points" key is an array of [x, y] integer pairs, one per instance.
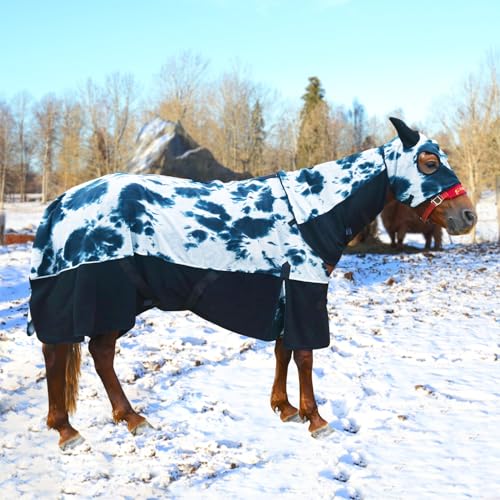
{"points": [[141, 428], [71, 443], [322, 432], [295, 417]]}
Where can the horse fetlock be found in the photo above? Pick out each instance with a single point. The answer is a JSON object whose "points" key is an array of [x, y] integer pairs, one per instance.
{"points": [[68, 436], [285, 410], [316, 422], [133, 419], [277, 400], [57, 420], [309, 412]]}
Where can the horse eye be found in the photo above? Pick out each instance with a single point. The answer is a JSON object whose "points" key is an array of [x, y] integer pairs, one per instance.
{"points": [[428, 167]]}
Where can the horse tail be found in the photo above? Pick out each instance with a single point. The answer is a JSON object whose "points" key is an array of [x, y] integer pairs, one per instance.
{"points": [[73, 362]]}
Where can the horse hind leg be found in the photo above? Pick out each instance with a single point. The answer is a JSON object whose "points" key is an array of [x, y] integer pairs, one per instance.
{"points": [[62, 365], [279, 397], [102, 349]]}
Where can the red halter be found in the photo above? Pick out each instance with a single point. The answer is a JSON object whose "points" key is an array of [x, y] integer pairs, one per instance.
{"points": [[454, 192]]}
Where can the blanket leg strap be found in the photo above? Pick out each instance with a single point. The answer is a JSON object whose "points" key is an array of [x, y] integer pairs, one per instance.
{"points": [[138, 281]]}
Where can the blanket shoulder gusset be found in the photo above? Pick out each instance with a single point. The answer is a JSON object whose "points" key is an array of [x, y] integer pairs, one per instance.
{"points": [[314, 191], [328, 234]]}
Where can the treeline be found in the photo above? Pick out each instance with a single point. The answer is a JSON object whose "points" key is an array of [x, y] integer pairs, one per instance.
{"points": [[56, 142]]}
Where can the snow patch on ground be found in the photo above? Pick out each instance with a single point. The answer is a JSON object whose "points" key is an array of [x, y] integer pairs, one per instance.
{"points": [[410, 385]]}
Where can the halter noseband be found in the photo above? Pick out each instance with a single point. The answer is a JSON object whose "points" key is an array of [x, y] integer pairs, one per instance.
{"points": [[454, 192]]}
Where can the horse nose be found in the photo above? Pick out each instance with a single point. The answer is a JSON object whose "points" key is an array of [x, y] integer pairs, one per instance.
{"points": [[462, 222], [469, 217]]}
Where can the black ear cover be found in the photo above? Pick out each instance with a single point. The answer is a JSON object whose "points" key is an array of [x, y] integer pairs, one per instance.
{"points": [[408, 136]]}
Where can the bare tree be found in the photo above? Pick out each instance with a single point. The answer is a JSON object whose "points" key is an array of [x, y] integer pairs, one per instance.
{"points": [[6, 147], [181, 88], [238, 140], [46, 116], [121, 94], [70, 155], [109, 123], [281, 147], [21, 103], [473, 129], [93, 104], [180, 80]]}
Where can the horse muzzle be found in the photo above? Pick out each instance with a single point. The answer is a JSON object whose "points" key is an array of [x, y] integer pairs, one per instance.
{"points": [[453, 210], [460, 221]]}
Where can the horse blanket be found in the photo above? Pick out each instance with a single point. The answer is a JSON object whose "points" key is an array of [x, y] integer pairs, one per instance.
{"points": [[247, 255], [109, 249], [115, 246]]}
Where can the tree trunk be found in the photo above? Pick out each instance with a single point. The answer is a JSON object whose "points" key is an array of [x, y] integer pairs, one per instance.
{"points": [[498, 206]]}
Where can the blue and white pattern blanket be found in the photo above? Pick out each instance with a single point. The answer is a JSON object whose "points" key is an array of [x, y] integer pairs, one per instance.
{"points": [[243, 226]]}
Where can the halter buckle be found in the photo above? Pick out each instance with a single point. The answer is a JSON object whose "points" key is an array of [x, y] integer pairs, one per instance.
{"points": [[437, 200]]}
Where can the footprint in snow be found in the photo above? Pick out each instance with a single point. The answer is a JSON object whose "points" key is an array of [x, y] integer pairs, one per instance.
{"points": [[349, 492], [337, 474], [354, 458], [345, 425]]}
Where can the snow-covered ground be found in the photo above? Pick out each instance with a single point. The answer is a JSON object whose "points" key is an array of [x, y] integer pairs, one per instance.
{"points": [[413, 366]]}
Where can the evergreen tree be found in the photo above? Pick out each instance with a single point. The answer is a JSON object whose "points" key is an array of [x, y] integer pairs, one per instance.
{"points": [[314, 144], [258, 136]]}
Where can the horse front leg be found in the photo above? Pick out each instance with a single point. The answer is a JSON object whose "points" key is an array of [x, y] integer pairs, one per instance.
{"points": [[279, 397], [102, 349], [57, 357], [308, 409]]}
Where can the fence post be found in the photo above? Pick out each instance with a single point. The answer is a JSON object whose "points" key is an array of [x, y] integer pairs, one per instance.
{"points": [[2, 226]]}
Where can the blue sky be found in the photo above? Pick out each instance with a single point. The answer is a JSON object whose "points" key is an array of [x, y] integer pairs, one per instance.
{"points": [[388, 54]]}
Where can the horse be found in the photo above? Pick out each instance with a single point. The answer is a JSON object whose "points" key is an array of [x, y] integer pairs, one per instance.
{"points": [[398, 220], [252, 256]]}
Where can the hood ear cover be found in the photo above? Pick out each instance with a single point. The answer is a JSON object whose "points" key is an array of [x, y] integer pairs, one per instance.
{"points": [[408, 136]]}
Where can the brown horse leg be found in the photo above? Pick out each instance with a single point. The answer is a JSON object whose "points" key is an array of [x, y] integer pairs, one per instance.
{"points": [[393, 239], [279, 397], [56, 358], [400, 236], [308, 407], [438, 238], [428, 241], [102, 349]]}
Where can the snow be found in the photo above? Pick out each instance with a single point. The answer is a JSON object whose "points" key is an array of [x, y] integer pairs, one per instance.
{"points": [[410, 385]]}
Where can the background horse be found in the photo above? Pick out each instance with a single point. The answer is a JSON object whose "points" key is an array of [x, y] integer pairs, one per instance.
{"points": [[175, 244], [398, 220]]}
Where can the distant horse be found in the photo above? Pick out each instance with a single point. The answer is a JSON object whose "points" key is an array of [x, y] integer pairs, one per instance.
{"points": [[399, 219], [252, 256]]}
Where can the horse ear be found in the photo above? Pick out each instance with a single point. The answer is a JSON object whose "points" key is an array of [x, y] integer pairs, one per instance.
{"points": [[408, 136]]}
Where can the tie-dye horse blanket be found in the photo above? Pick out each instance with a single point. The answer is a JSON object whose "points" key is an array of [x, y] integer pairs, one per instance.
{"points": [[113, 247]]}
